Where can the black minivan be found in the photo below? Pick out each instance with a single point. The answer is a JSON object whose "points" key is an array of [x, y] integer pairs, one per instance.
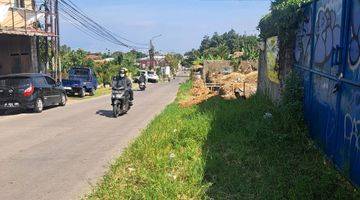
{"points": [[30, 91]]}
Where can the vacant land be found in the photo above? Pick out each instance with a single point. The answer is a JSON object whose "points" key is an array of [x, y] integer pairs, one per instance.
{"points": [[223, 149]]}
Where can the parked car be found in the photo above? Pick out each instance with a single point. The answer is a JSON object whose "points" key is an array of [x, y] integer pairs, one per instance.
{"points": [[30, 91], [81, 80], [153, 77]]}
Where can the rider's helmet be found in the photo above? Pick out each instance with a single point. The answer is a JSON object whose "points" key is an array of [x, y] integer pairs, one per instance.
{"points": [[123, 72]]}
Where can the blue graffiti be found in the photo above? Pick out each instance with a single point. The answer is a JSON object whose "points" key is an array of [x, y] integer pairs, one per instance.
{"points": [[354, 43], [351, 131], [327, 36], [303, 42]]}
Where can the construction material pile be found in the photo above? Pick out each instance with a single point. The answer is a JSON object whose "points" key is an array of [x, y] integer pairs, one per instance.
{"points": [[248, 66], [199, 94], [247, 83]]}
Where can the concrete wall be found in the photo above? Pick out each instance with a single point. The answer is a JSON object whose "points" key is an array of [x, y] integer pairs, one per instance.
{"points": [[265, 85], [18, 54], [285, 62]]}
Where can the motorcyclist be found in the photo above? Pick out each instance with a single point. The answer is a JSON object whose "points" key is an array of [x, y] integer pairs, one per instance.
{"points": [[142, 78], [123, 81]]}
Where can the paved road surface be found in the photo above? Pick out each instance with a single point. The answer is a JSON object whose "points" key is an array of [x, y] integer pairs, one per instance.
{"points": [[59, 153]]}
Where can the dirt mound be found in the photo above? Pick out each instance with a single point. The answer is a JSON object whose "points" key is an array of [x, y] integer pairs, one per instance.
{"points": [[199, 94], [245, 83], [248, 66], [229, 83]]}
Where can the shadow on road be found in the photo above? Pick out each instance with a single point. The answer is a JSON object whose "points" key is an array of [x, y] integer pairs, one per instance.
{"points": [[105, 113], [22, 111]]}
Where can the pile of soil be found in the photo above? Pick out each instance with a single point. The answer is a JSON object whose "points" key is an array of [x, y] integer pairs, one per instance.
{"points": [[248, 66], [244, 82], [229, 83], [199, 94]]}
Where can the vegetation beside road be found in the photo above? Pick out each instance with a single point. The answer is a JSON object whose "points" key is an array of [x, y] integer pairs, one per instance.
{"points": [[104, 70], [223, 149]]}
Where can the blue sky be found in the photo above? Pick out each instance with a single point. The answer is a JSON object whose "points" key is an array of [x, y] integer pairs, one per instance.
{"points": [[183, 23]]}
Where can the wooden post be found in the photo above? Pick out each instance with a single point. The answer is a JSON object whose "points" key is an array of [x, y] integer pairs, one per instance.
{"points": [[244, 89], [25, 17], [12, 16], [46, 55]]}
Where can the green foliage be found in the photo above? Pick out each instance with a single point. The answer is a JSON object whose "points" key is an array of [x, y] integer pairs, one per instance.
{"points": [[229, 43], [292, 102], [220, 47], [283, 20], [173, 60], [223, 150], [138, 54], [190, 57], [105, 71], [129, 62], [74, 58]]}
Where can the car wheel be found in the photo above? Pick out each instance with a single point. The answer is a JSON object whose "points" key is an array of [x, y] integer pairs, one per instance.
{"points": [[39, 105], [92, 92], [82, 93], [62, 99]]}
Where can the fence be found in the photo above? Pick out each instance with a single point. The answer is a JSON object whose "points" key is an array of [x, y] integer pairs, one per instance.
{"points": [[327, 57]]}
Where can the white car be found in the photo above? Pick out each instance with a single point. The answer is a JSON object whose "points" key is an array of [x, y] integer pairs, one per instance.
{"points": [[153, 77]]}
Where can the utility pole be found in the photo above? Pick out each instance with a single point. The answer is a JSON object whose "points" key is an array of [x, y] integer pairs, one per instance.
{"points": [[152, 52], [57, 33]]}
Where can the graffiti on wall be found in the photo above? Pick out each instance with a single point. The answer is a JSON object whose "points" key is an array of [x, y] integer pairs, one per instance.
{"points": [[352, 122], [351, 131], [354, 43], [339, 138], [303, 40], [327, 31], [272, 53]]}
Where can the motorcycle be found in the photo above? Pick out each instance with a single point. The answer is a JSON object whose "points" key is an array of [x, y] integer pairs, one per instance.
{"points": [[120, 100], [142, 86]]}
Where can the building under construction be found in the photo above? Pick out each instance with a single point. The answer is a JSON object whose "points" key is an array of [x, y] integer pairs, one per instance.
{"points": [[29, 37]]}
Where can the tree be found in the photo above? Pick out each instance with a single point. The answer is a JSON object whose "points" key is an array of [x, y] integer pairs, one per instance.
{"points": [[138, 54], [70, 58], [173, 60], [221, 46], [190, 57]]}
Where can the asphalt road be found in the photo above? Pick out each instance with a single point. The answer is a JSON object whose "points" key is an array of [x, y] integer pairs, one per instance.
{"points": [[62, 152]]}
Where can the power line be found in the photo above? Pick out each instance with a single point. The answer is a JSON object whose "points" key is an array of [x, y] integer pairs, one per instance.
{"points": [[83, 22], [83, 13]]}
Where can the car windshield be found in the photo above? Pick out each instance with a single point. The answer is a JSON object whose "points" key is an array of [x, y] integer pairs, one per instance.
{"points": [[151, 73], [15, 82], [79, 73]]}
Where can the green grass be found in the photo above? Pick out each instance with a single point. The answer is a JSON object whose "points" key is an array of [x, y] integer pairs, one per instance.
{"points": [[223, 150]]}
